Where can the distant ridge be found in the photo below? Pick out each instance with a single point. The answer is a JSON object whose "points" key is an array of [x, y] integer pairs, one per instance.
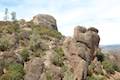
{"points": [[111, 48]]}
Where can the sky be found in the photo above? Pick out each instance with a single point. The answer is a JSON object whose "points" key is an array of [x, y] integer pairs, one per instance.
{"points": [[102, 14]]}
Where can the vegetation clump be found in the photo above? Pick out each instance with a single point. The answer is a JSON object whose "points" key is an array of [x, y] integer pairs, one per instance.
{"points": [[58, 57], [96, 77], [25, 54], [100, 56], [5, 42], [44, 31], [14, 72], [49, 75], [108, 66]]}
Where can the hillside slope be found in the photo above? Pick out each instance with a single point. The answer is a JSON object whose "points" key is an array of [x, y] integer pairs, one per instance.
{"points": [[36, 50]]}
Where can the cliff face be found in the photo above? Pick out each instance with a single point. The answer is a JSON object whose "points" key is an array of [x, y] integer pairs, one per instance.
{"points": [[35, 50], [81, 50]]}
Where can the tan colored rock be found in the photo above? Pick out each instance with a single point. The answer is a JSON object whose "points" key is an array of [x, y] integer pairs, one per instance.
{"points": [[81, 50], [115, 76], [93, 29], [78, 58], [79, 34], [92, 39], [45, 20], [79, 67], [89, 37], [56, 72], [97, 66], [34, 69]]}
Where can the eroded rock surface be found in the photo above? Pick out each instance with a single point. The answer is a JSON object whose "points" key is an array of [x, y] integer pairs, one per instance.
{"points": [[45, 20], [81, 50], [34, 69]]}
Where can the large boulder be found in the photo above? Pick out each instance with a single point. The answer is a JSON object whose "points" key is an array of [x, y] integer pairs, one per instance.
{"points": [[78, 58], [45, 20], [34, 69], [92, 38], [89, 37], [71, 47], [80, 50], [79, 67], [79, 33]]}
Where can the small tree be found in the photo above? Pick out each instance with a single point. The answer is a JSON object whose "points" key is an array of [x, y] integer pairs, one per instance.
{"points": [[13, 14], [6, 14]]}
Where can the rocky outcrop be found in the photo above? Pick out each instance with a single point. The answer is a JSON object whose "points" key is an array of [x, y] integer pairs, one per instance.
{"points": [[42, 53], [81, 50], [34, 69], [88, 37], [45, 20]]}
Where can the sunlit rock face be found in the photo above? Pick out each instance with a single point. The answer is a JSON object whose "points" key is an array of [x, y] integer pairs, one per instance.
{"points": [[45, 20], [34, 69], [81, 50]]}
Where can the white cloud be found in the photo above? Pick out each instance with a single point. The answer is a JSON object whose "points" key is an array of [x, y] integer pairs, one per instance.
{"points": [[103, 14]]}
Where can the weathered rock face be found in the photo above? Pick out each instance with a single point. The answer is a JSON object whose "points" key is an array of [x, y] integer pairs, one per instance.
{"points": [[34, 69], [48, 57], [81, 50], [45, 20], [88, 37]]}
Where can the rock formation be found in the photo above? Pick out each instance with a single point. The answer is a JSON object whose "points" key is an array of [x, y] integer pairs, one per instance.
{"points": [[34, 69], [45, 20], [35, 50], [81, 50]]}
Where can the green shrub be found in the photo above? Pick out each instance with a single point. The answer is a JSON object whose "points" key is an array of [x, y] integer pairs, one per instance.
{"points": [[96, 77], [54, 33], [25, 54], [100, 56], [91, 78], [57, 60], [91, 69], [116, 67], [14, 72], [38, 53], [2, 65], [36, 45], [42, 30], [58, 57], [108, 66], [35, 42], [64, 68], [10, 27], [5, 43], [49, 75], [24, 35], [15, 67], [68, 75], [59, 51]]}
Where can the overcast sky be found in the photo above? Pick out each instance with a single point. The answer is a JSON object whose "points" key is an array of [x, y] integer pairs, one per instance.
{"points": [[102, 14]]}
